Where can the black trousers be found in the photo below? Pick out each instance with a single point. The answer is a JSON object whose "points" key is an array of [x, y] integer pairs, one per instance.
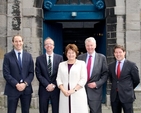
{"points": [[12, 102], [117, 106]]}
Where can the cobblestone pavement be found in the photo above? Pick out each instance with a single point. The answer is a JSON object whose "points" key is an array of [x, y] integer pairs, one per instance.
{"points": [[104, 110]]}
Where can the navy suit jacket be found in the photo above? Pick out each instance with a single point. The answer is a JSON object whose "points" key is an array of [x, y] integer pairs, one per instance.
{"points": [[42, 73], [99, 75], [129, 79], [13, 73]]}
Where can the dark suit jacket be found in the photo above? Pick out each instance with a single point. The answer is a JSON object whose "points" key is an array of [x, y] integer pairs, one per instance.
{"points": [[99, 75], [12, 73], [129, 79], [42, 72]]}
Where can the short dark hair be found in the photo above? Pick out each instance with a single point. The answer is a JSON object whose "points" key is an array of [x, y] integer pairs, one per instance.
{"points": [[15, 36], [72, 47], [120, 47]]}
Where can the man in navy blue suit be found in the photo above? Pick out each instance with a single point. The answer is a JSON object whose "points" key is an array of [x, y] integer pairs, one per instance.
{"points": [[124, 76], [46, 72], [18, 71]]}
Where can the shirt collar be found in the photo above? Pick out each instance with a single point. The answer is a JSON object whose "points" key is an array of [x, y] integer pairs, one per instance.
{"points": [[93, 54], [18, 51], [122, 61], [49, 55]]}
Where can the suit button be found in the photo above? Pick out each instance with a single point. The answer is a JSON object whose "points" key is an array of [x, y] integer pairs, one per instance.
{"points": [[117, 81]]}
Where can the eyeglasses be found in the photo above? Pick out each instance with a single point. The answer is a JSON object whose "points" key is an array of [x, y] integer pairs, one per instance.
{"points": [[49, 44]]}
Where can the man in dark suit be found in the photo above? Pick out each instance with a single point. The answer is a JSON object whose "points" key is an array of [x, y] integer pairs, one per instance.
{"points": [[124, 77], [98, 75], [18, 71], [46, 72]]}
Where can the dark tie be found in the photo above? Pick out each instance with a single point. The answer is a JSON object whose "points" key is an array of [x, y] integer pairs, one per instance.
{"points": [[89, 67], [49, 65], [20, 63], [118, 70], [19, 59]]}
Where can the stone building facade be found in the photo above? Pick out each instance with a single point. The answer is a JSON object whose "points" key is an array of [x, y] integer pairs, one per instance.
{"points": [[25, 17]]}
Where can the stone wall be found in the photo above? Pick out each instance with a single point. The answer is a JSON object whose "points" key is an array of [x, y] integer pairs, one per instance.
{"points": [[3, 44], [22, 17], [133, 39]]}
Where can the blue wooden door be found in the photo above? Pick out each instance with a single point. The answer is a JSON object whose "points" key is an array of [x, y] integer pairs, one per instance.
{"points": [[54, 31]]}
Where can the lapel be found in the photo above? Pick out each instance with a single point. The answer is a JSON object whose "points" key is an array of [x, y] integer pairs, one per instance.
{"points": [[15, 58], [24, 59], [114, 70], [123, 69], [95, 65], [84, 58], [54, 62], [45, 62]]}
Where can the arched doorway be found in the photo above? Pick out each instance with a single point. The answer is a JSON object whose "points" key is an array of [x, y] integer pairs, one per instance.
{"points": [[72, 21]]}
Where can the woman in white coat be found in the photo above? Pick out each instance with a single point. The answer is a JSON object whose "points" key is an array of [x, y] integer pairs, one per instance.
{"points": [[71, 79]]}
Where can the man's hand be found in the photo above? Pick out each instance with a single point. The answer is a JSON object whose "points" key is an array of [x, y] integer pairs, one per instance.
{"points": [[92, 85], [20, 86], [50, 87]]}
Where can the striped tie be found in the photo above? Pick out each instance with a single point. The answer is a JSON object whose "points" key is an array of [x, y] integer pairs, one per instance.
{"points": [[49, 65]]}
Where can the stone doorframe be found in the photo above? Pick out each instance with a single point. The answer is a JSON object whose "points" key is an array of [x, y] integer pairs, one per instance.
{"points": [[122, 27]]}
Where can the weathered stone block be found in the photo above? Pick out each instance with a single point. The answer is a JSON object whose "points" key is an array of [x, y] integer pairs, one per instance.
{"points": [[26, 32], [132, 6], [4, 20], [27, 22], [9, 44], [133, 36], [27, 3], [37, 32], [120, 23], [120, 10], [2, 43], [133, 25], [29, 12], [2, 31], [3, 9], [3, 2], [2, 101], [133, 17], [1, 64]]}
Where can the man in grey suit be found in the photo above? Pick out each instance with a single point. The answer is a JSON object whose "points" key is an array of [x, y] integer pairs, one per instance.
{"points": [[124, 77], [98, 75]]}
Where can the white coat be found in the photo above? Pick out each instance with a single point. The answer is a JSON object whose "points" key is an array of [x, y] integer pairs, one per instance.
{"points": [[77, 75]]}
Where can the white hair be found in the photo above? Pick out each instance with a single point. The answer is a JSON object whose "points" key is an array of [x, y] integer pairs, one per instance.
{"points": [[90, 39]]}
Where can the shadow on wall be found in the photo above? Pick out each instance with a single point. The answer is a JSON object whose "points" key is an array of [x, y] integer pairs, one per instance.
{"points": [[38, 3]]}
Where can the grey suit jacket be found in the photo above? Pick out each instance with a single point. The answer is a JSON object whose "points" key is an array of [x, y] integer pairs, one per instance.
{"points": [[99, 75], [129, 79]]}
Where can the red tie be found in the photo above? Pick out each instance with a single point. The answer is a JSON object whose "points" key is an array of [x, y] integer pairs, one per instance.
{"points": [[118, 70], [89, 67]]}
